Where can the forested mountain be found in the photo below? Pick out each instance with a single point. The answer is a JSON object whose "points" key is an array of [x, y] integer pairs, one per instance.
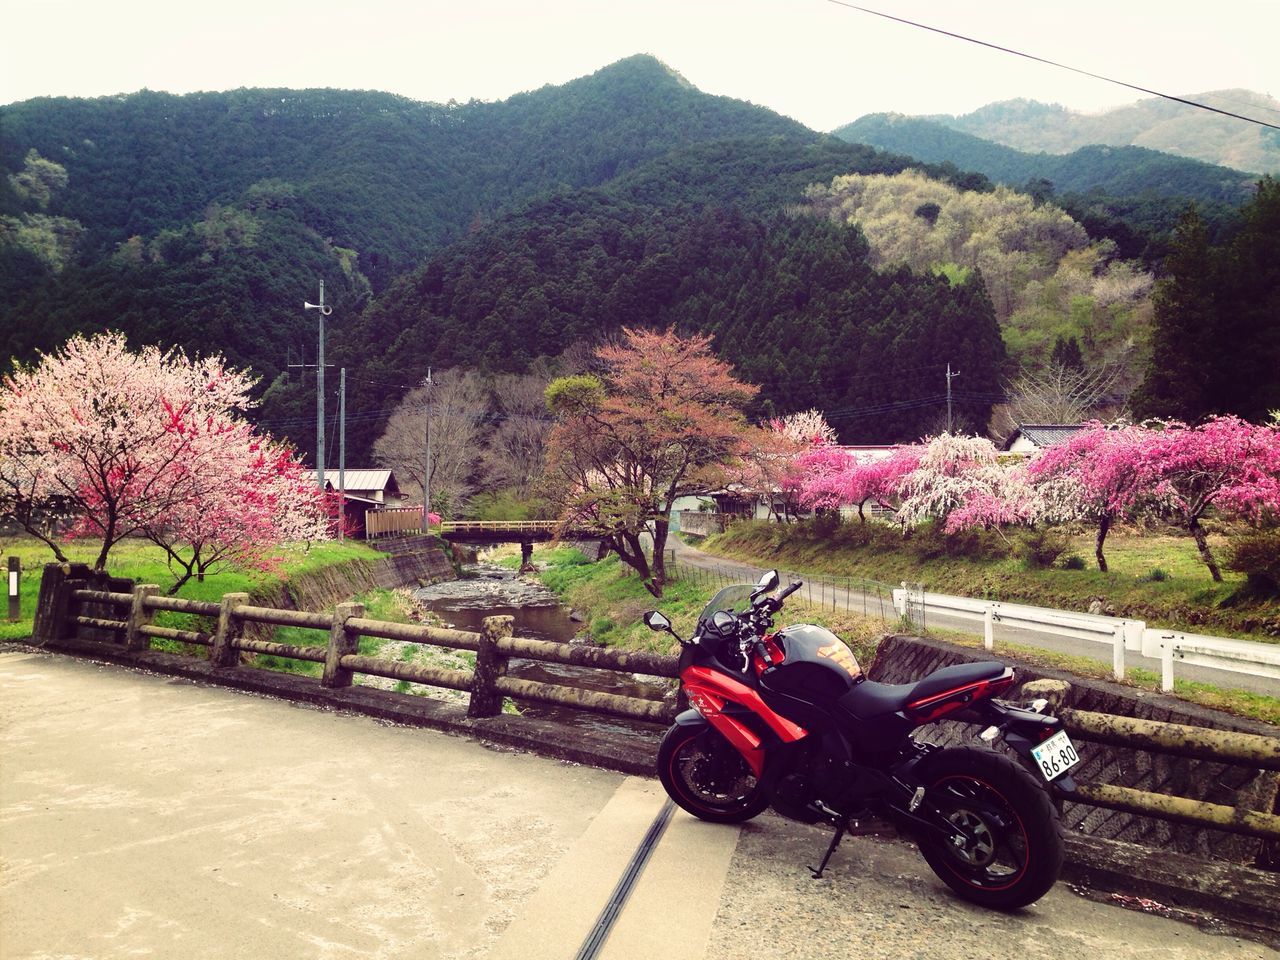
{"points": [[486, 235], [1156, 123], [792, 302], [377, 172], [1131, 194], [1048, 281]]}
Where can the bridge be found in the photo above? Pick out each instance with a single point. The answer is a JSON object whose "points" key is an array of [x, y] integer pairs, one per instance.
{"points": [[144, 815], [524, 532]]}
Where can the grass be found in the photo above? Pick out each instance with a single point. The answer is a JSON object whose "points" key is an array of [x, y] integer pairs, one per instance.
{"points": [[612, 600], [1157, 577], [144, 562]]}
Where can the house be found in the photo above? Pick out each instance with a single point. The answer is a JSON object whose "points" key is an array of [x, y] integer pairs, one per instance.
{"points": [[365, 490], [1031, 438]]}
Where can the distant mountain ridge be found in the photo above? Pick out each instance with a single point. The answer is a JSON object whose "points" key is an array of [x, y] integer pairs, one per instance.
{"points": [[1155, 123], [1111, 170]]}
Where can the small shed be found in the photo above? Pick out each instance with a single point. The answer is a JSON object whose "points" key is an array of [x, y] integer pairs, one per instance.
{"points": [[1030, 438], [365, 490]]}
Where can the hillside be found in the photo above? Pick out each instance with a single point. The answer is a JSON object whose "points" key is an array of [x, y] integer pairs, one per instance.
{"points": [[793, 303], [491, 234], [1131, 195], [1156, 123]]}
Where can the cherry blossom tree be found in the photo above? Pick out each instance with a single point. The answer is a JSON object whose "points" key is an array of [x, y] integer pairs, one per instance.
{"points": [[959, 482], [664, 421], [1225, 462], [1093, 476], [770, 467], [136, 443], [246, 494], [831, 477]]}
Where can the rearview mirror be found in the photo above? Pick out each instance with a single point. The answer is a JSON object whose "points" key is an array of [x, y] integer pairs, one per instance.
{"points": [[768, 581], [656, 621]]}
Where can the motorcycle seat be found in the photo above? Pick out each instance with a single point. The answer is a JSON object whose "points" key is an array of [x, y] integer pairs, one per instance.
{"points": [[870, 699]]}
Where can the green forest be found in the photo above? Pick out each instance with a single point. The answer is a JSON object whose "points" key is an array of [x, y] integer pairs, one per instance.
{"points": [[489, 235]]}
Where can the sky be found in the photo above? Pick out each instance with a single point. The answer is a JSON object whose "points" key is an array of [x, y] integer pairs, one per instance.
{"points": [[812, 60]]}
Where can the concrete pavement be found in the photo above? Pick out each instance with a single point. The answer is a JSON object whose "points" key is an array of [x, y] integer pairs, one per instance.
{"points": [[146, 816]]}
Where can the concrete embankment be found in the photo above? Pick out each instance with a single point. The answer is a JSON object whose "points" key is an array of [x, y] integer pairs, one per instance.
{"points": [[412, 561]]}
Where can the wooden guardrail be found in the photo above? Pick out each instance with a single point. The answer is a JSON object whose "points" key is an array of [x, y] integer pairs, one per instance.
{"points": [[67, 605]]}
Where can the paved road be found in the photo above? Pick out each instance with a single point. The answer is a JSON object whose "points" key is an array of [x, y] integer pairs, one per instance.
{"points": [[142, 816], [972, 624]]}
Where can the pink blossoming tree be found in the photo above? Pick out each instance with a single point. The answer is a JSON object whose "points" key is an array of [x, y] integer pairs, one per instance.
{"points": [[1225, 462], [149, 443], [1093, 476]]}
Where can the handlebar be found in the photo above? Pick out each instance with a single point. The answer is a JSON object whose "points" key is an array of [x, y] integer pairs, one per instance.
{"points": [[790, 590]]}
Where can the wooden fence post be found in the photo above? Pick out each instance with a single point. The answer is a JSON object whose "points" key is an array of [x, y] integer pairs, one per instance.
{"points": [[230, 626], [491, 664], [139, 615], [51, 606], [341, 642]]}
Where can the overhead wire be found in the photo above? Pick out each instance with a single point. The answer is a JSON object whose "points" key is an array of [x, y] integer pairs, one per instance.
{"points": [[1052, 63]]}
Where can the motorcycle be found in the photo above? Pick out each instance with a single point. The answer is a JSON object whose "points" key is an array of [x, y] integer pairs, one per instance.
{"points": [[787, 719]]}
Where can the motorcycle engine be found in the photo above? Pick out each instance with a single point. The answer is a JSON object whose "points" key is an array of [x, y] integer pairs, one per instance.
{"points": [[815, 776]]}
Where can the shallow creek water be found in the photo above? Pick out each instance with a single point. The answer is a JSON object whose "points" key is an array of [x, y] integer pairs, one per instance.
{"points": [[490, 590]]}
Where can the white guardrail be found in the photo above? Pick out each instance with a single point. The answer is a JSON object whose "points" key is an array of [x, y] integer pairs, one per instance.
{"points": [[1167, 646]]}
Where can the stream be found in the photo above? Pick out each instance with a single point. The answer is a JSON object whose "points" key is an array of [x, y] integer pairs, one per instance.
{"points": [[490, 590]]}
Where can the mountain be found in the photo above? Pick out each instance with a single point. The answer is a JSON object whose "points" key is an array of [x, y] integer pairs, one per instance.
{"points": [[205, 220], [1113, 191], [389, 177], [1155, 123]]}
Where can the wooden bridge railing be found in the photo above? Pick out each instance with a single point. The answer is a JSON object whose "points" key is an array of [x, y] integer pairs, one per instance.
{"points": [[67, 606]]}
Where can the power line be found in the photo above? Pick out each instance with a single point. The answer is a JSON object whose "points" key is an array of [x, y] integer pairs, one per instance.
{"points": [[1053, 63]]}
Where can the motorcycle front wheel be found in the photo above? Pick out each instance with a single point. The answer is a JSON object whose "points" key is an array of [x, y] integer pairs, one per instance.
{"points": [[705, 775], [1015, 851]]}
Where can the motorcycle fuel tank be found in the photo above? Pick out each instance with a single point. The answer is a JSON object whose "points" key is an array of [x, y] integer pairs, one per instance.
{"points": [[816, 665]]}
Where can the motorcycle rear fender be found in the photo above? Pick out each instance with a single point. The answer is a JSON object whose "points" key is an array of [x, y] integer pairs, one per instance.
{"points": [[1023, 729]]}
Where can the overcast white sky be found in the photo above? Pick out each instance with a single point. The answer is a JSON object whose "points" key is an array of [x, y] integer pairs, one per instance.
{"points": [[822, 64]]}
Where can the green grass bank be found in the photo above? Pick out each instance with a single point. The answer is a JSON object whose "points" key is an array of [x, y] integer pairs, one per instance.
{"points": [[1156, 577]]}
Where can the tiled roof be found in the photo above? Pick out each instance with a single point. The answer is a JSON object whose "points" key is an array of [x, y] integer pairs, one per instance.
{"points": [[1044, 434], [362, 479]]}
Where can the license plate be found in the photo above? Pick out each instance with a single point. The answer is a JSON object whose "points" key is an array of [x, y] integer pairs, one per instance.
{"points": [[1055, 756]]}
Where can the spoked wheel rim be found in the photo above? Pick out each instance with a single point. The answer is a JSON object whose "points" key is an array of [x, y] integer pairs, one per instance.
{"points": [[997, 851], [713, 773]]}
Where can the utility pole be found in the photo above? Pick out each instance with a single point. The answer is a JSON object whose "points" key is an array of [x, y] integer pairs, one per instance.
{"points": [[324, 312], [950, 377], [342, 454], [426, 471]]}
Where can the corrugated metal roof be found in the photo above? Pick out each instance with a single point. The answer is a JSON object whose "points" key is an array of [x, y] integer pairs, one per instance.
{"points": [[1044, 434], [363, 479]]}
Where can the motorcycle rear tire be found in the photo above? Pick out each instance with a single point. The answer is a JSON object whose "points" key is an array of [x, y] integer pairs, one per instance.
{"points": [[1019, 853], [683, 757]]}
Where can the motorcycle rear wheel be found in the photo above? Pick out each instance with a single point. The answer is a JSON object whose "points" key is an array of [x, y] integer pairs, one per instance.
{"points": [[1016, 855], [705, 775]]}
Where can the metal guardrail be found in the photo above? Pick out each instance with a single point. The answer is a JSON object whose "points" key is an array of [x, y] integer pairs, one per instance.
{"points": [[1119, 633]]}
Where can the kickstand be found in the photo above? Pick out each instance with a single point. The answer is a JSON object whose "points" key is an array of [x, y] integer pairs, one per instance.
{"points": [[841, 826]]}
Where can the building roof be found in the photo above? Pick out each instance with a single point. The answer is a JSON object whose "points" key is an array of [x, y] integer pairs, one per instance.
{"points": [[363, 480], [1043, 434]]}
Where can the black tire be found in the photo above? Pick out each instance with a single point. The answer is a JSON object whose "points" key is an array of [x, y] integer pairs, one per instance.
{"points": [[1019, 853], [705, 775]]}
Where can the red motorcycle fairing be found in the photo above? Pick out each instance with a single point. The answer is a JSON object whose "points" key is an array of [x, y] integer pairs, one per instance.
{"points": [[709, 690]]}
